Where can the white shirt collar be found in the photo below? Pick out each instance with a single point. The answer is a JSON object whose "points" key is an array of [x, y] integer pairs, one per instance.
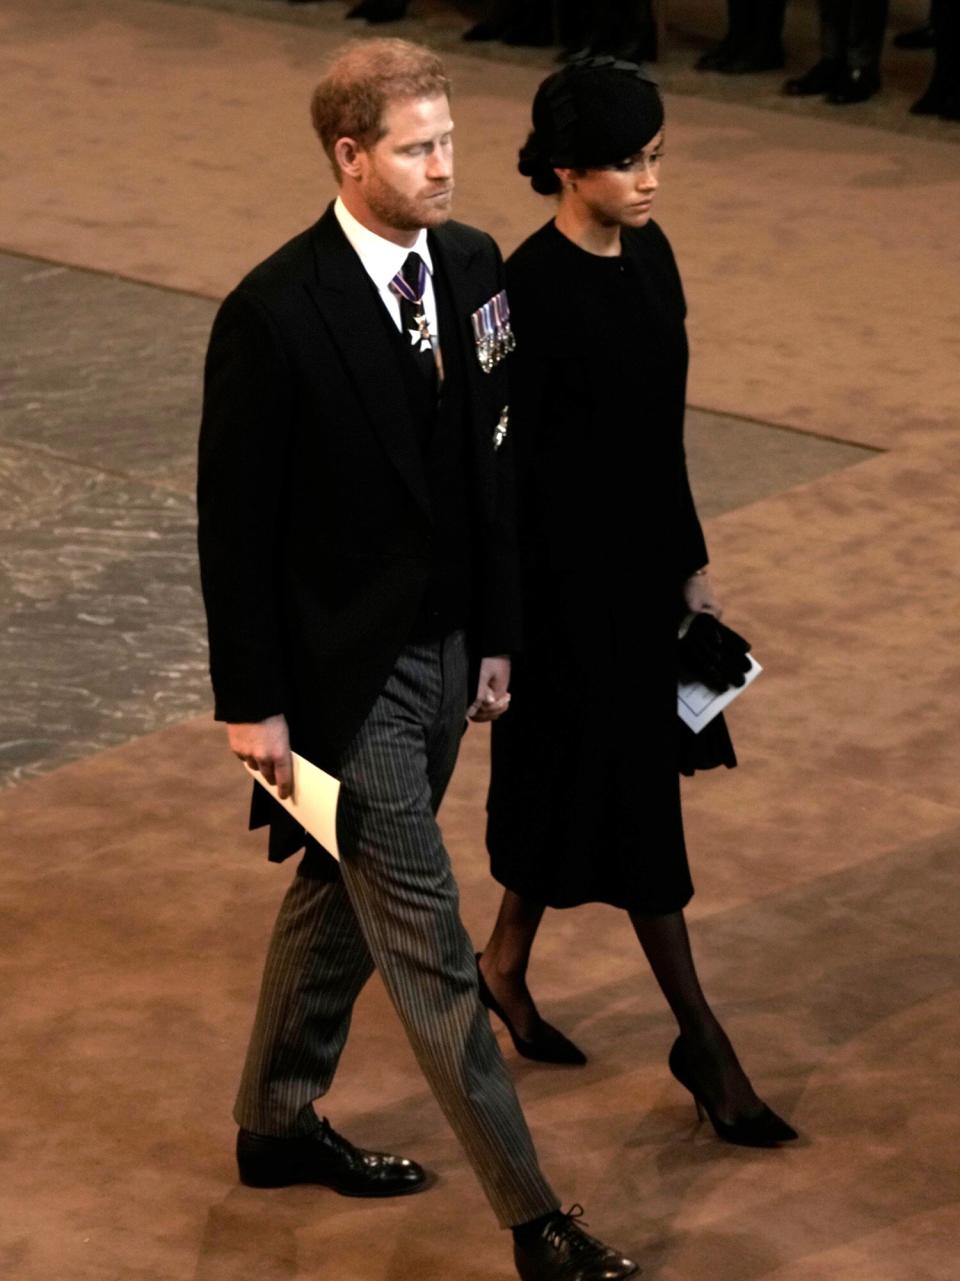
{"points": [[381, 258]]}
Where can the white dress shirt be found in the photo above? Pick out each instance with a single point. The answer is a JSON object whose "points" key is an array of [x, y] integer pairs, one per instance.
{"points": [[382, 259]]}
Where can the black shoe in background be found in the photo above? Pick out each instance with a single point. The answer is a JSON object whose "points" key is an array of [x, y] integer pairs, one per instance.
{"points": [[534, 32], [857, 84], [934, 100], [487, 30], [717, 56], [822, 77], [375, 11], [921, 37], [757, 58], [327, 1158]]}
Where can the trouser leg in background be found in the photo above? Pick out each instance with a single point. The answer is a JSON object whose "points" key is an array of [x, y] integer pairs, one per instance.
{"points": [[834, 26], [624, 28], [946, 26], [395, 906], [768, 23], [942, 95], [868, 25], [852, 31]]}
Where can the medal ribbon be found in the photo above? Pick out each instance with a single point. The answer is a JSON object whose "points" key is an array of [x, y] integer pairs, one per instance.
{"points": [[401, 284]]}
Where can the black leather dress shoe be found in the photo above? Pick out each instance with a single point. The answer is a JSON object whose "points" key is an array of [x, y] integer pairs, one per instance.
{"points": [[324, 1157], [821, 78], [562, 1251], [855, 85]]}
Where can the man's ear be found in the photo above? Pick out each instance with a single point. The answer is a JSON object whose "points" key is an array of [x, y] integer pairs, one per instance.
{"points": [[347, 154]]}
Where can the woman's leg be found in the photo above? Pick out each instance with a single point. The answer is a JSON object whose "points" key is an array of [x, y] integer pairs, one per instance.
{"points": [[503, 984], [504, 960], [724, 1083]]}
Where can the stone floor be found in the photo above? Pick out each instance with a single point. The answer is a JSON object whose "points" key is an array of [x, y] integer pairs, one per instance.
{"points": [[101, 625]]}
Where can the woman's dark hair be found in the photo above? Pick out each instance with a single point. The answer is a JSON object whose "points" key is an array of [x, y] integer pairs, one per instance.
{"points": [[536, 166]]}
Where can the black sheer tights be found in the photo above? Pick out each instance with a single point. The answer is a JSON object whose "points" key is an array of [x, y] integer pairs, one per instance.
{"points": [[712, 1059], [666, 944]]}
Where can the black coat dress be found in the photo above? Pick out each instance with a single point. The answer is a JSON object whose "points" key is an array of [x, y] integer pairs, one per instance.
{"points": [[584, 802]]}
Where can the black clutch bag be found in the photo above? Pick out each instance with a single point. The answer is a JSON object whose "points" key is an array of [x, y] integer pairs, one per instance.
{"points": [[716, 655]]}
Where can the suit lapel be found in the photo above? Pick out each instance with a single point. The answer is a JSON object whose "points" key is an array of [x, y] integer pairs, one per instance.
{"points": [[469, 286], [345, 297], [455, 260]]}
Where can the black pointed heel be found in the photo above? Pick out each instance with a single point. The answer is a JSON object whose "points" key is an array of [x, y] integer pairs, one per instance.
{"points": [[763, 1130], [547, 1045]]}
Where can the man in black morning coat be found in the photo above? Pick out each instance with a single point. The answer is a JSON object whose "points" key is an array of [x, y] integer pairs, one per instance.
{"points": [[356, 541]]}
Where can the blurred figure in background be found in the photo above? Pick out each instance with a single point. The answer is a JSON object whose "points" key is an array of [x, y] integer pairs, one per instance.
{"points": [[376, 11], [917, 37], [624, 28], [754, 39], [851, 41], [942, 97], [517, 22]]}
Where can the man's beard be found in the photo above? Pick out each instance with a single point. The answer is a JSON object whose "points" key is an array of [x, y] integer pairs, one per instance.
{"points": [[399, 211]]}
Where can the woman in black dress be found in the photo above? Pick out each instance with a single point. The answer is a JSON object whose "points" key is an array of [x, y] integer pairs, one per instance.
{"points": [[584, 802]]}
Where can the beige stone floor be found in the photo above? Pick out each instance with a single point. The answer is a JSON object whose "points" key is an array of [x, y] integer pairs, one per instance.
{"points": [[170, 144]]}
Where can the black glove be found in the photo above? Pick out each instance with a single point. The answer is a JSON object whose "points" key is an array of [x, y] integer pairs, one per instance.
{"points": [[713, 654]]}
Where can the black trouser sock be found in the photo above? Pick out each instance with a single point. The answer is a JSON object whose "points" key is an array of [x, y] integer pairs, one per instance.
{"points": [[528, 1231]]}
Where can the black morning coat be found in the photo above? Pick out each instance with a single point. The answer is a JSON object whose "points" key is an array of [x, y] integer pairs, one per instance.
{"points": [[314, 517]]}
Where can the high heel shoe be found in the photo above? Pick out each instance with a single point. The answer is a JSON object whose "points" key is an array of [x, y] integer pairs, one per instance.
{"points": [[547, 1045], [762, 1130]]}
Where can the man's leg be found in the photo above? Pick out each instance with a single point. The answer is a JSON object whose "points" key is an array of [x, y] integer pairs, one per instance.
{"points": [[868, 25], [316, 965], [398, 876], [835, 29]]}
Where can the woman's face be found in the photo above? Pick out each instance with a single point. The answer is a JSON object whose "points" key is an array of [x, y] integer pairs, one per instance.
{"points": [[619, 194]]}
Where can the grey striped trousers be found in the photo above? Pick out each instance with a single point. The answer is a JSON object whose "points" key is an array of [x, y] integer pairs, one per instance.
{"points": [[395, 907]]}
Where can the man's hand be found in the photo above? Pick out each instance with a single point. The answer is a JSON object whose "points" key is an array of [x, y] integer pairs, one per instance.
{"points": [[492, 699], [699, 595], [265, 746]]}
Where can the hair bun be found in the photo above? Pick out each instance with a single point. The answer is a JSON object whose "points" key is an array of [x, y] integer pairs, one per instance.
{"points": [[534, 164]]}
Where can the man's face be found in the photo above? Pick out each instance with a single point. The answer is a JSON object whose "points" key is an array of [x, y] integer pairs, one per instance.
{"points": [[406, 177]]}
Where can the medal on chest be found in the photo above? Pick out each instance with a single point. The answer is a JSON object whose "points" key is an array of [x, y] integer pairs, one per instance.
{"points": [[492, 332]]}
